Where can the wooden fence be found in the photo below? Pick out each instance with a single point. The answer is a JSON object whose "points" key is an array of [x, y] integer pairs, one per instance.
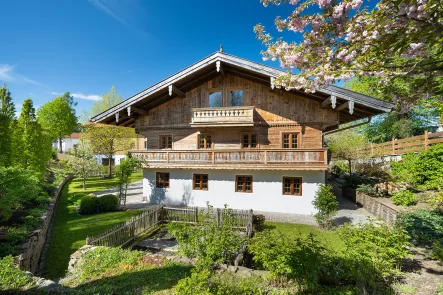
{"points": [[402, 146], [149, 220]]}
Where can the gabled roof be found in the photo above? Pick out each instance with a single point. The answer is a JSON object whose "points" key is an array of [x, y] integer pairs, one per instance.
{"points": [[363, 106]]}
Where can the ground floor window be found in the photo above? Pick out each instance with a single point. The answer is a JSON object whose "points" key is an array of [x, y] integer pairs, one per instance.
{"points": [[200, 181], [292, 186], [162, 180], [243, 183]]}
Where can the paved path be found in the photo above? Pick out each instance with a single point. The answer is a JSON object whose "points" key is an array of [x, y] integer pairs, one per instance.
{"points": [[348, 211]]}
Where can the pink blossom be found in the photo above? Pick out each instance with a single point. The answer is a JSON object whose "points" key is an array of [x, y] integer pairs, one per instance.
{"points": [[297, 24], [323, 3], [293, 2], [356, 4]]}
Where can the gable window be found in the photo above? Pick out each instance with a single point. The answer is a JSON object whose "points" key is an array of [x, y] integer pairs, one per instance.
{"points": [[166, 141], [290, 140], [215, 99], [204, 141], [249, 141], [236, 98], [292, 186], [162, 180], [200, 182], [243, 183]]}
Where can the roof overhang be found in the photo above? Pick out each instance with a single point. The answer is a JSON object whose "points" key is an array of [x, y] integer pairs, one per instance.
{"points": [[351, 105]]}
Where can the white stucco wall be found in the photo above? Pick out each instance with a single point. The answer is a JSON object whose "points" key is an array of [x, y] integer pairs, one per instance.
{"points": [[266, 196]]}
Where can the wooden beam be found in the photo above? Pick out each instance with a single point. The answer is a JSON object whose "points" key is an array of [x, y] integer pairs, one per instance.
{"points": [[177, 91], [220, 69], [330, 100], [128, 122], [342, 106], [140, 111]]}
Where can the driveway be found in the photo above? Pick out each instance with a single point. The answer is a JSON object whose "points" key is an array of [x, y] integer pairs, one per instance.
{"points": [[134, 197]]}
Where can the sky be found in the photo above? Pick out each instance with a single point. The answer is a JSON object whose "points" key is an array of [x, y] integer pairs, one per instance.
{"points": [[87, 46]]}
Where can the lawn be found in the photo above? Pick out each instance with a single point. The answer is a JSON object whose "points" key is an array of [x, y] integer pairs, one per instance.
{"points": [[329, 238], [69, 230]]}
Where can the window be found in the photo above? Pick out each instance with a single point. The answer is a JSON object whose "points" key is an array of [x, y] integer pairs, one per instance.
{"points": [[292, 186], [166, 141], [204, 141], [146, 144], [200, 181], [249, 141], [290, 140], [236, 98], [162, 180], [215, 99], [243, 183]]}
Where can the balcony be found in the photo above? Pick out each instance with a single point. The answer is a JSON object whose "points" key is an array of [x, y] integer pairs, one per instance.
{"points": [[251, 159], [223, 117]]}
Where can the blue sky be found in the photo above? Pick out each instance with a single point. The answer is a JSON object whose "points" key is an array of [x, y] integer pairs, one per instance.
{"points": [[87, 46]]}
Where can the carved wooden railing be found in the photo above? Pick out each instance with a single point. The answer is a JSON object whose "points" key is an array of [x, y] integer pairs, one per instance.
{"points": [[234, 156], [222, 116]]}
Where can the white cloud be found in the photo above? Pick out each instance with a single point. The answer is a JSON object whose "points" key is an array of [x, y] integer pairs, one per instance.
{"points": [[8, 74], [103, 6], [80, 95]]}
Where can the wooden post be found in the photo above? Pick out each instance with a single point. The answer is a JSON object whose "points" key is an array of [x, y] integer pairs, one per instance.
{"points": [[213, 157], [88, 240], [426, 140], [167, 157], [266, 157], [218, 217], [393, 146], [325, 156], [132, 228]]}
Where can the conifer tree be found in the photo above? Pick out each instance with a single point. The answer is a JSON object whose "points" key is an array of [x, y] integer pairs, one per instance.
{"points": [[7, 114]]}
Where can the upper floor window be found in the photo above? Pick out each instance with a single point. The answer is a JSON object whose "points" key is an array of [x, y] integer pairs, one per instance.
{"points": [[166, 141], [162, 180], [215, 99], [235, 98], [292, 186], [243, 183], [204, 141], [290, 140], [249, 141]]}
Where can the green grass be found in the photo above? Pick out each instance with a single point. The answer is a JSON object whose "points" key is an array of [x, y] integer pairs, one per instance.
{"points": [[69, 230], [329, 238]]}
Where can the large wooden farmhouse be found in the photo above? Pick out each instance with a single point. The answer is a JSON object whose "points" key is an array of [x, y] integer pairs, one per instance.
{"points": [[219, 131]]}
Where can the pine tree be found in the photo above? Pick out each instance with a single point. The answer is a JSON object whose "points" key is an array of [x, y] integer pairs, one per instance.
{"points": [[7, 114]]}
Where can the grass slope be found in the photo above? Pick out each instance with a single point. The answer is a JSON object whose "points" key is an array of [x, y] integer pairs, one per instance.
{"points": [[69, 230], [330, 238]]}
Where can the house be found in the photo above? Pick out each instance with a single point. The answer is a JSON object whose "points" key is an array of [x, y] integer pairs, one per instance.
{"points": [[219, 131], [68, 142]]}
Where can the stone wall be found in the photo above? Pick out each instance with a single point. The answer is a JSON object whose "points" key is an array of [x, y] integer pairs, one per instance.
{"points": [[32, 249], [377, 207]]}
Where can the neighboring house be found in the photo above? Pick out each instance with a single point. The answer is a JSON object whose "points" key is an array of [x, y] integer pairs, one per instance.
{"points": [[219, 131], [68, 142]]}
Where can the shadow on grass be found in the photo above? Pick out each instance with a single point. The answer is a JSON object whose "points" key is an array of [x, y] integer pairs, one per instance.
{"points": [[135, 282]]}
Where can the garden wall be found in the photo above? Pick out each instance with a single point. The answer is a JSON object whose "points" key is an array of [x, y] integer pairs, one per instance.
{"points": [[33, 248], [377, 207]]}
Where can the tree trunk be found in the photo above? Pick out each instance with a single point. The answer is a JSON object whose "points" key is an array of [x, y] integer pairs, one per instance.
{"points": [[110, 166], [60, 147], [350, 172], [84, 183]]}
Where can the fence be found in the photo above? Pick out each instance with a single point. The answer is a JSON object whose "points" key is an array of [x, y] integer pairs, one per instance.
{"points": [[149, 220], [402, 146]]}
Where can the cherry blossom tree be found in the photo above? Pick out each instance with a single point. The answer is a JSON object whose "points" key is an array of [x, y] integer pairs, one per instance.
{"points": [[397, 39]]}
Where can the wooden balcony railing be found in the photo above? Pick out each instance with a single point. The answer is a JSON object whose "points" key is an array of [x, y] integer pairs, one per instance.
{"points": [[230, 116], [311, 159]]}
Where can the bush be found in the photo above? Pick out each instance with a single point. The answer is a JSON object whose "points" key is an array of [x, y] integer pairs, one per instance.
{"points": [[368, 190], [326, 204], [88, 205], [12, 278], [437, 250], [404, 198], [437, 203], [422, 225], [108, 203], [423, 169], [207, 241], [258, 222], [339, 168]]}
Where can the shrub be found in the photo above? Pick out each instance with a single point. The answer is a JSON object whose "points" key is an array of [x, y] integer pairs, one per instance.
{"points": [[12, 278], [207, 241], [326, 204], [108, 203], [367, 189], [436, 203], [258, 222], [88, 205], [437, 250], [374, 252], [339, 168], [423, 169], [404, 198], [422, 225]]}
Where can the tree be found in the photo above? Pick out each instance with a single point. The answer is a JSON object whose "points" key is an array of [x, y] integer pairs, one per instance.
{"points": [[125, 170], [7, 114], [347, 145], [326, 203], [107, 101], [58, 118], [108, 140], [31, 145], [397, 40], [82, 162]]}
